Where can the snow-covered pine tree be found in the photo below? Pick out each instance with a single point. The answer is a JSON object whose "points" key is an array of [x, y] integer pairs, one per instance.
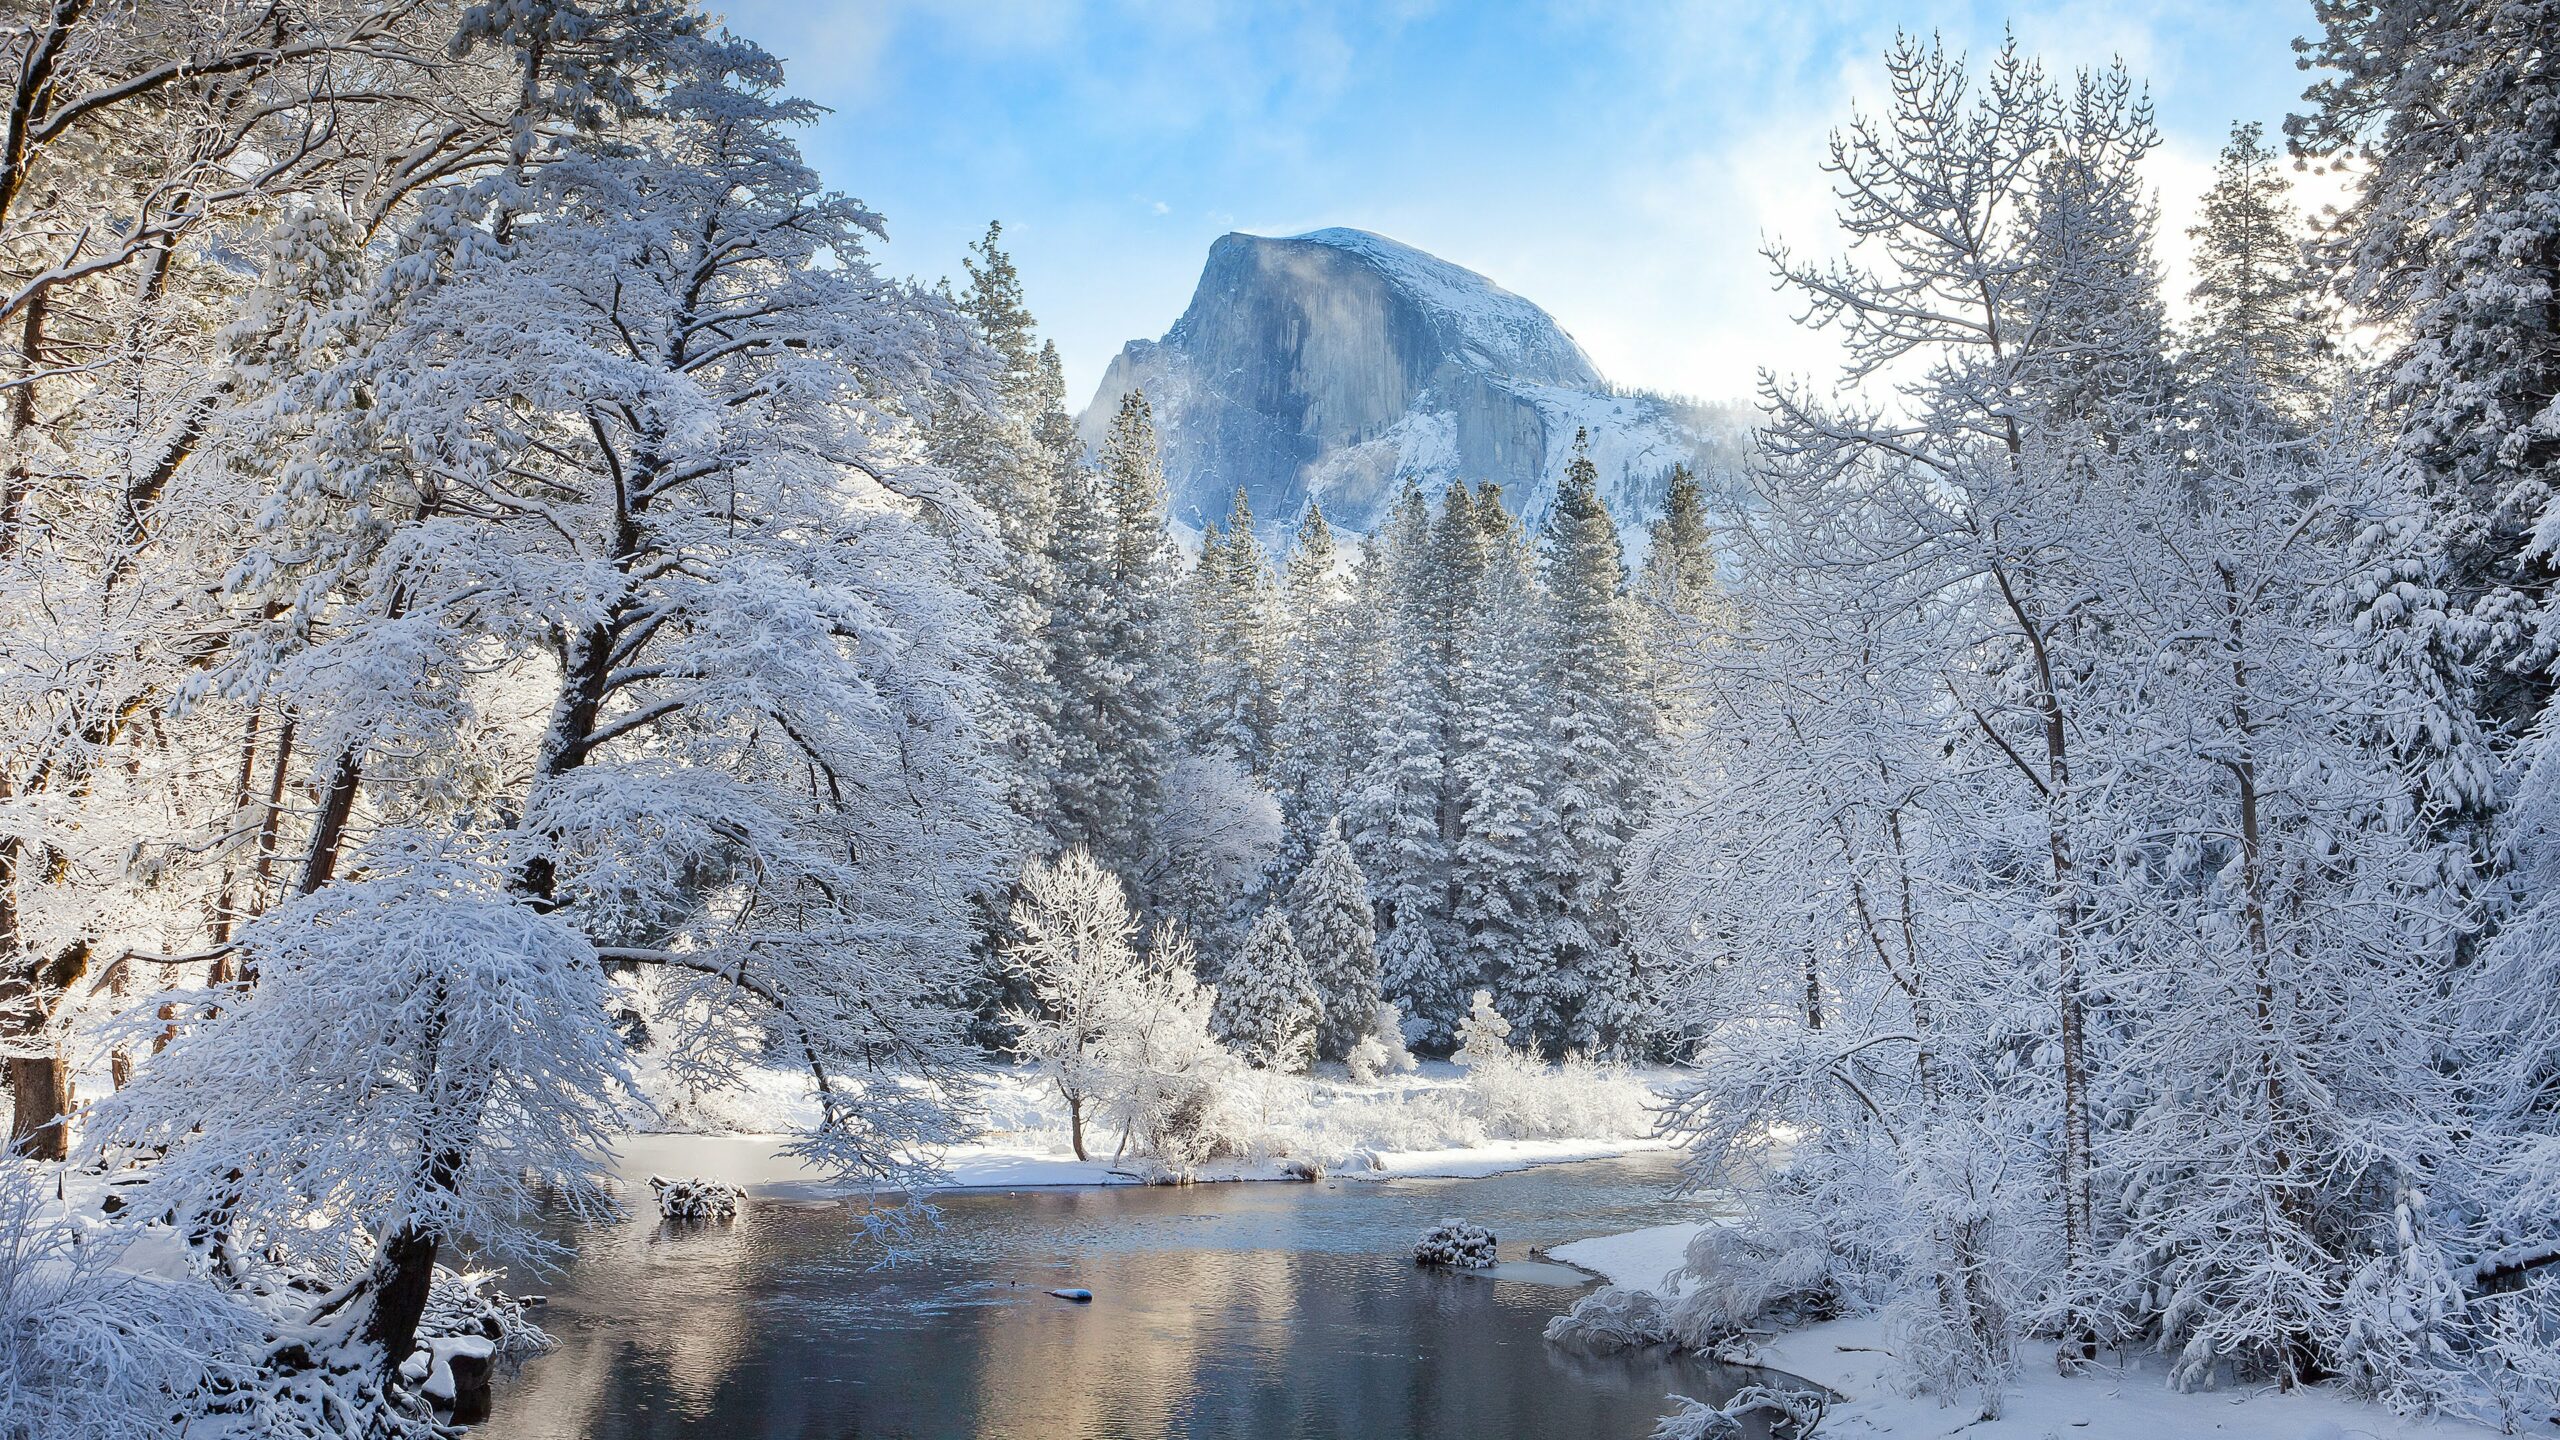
{"points": [[1504, 899], [1679, 607], [1009, 456], [1112, 635], [1313, 724], [2256, 299], [1484, 1037], [1268, 1006], [1235, 643], [1331, 919], [1096, 802], [1393, 820], [1597, 732], [2442, 111]]}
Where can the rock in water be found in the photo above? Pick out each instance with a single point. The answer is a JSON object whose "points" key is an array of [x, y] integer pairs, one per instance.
{"points": [[1333, 365]]}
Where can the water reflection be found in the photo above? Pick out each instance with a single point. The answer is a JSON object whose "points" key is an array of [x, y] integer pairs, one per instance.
{"points": [[1255, 1310]]}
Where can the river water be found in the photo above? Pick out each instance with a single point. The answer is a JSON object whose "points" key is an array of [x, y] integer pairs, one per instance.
{"points": [[1251, 1310]]}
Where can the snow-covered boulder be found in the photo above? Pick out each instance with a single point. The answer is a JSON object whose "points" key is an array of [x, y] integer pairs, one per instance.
{"points": [[694, 1198], [1457, 1244]]}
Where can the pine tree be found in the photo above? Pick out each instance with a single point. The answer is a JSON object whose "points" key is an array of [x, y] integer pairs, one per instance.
{"points": [[1112, 636], [1394, 820], [2444, 111], [1484, 1037], [2255, 294], [1235, 643], [1268, 1006], [1596, 734], [1329, 909], [1013, 456], [1504, 902], [1313, 722], [1679, 606]]}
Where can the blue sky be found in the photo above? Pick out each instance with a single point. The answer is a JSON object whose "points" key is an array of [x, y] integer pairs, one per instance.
{"points": [[1615, 162]]}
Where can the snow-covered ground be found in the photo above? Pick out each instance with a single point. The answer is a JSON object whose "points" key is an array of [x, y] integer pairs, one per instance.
{"points": [[2121, 1398], [1439, 1122]]}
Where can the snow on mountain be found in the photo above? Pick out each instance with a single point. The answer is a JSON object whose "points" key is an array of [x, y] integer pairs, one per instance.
{"points": [[1338, 364]]}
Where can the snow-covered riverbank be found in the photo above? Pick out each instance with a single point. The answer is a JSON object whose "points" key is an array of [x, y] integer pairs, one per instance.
{"points": [[2123, 1397], [1438, 1122]]}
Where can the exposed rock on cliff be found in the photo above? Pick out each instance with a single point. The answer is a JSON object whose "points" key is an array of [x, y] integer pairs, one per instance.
{"points": [[1335, 364]]}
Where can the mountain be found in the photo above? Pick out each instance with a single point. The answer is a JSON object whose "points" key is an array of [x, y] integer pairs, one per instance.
{"points": [[1334, 365]]}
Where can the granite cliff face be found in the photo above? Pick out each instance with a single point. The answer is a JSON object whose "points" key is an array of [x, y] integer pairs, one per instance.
{"points": [[1333, 365]]}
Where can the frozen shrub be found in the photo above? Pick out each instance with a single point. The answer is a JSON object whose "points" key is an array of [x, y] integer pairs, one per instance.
{"points": [[1514, 1097], [695, 1198], [1735, 1278], [1612, 1318], [90, 1352], [1484, 1037], [1381, 1052], [1366, 1061], [1793, 1413], [1456, 1244]]}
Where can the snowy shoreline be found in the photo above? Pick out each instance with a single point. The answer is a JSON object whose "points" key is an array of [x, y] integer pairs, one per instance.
{"points": [[755, 1164], [2120, 1397], [1436, 1123]]}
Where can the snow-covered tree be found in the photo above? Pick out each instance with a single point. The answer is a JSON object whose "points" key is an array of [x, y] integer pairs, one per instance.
{"points": [[1163, 1069], [1505, 901], [1268, 1006], [2442, 113], [1317, 718], [1394, 818], [1331, 919], [2256, 296], [1597, 731], [1075, 946], [1113, 638], [1679, 606], [1213, 846], [642, 454], [1233, 676], [1484, 1037], [1012, 456]]}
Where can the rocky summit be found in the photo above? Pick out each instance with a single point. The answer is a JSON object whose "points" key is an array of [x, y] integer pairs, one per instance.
{"points": [[1335, 365]]}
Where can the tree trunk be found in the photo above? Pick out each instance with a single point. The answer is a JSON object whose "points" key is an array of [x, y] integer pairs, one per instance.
{"points": [[41, 1086]]}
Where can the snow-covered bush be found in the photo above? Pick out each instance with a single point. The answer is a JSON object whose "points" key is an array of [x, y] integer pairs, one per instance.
{"points": [[1753, 1409], [694, 1198], [1484, 1037], [1612, 1318], [89, 1352], [1268, 1006], [1514, 1097], [1457, 1244], [1734, 1276], [1380, 1052]]}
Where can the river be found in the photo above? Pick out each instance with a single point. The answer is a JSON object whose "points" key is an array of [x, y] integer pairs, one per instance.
{"points": [[1255, 1310]]}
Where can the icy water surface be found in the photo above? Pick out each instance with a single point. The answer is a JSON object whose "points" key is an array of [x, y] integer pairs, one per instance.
{"points": [[1254, 1310]]}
